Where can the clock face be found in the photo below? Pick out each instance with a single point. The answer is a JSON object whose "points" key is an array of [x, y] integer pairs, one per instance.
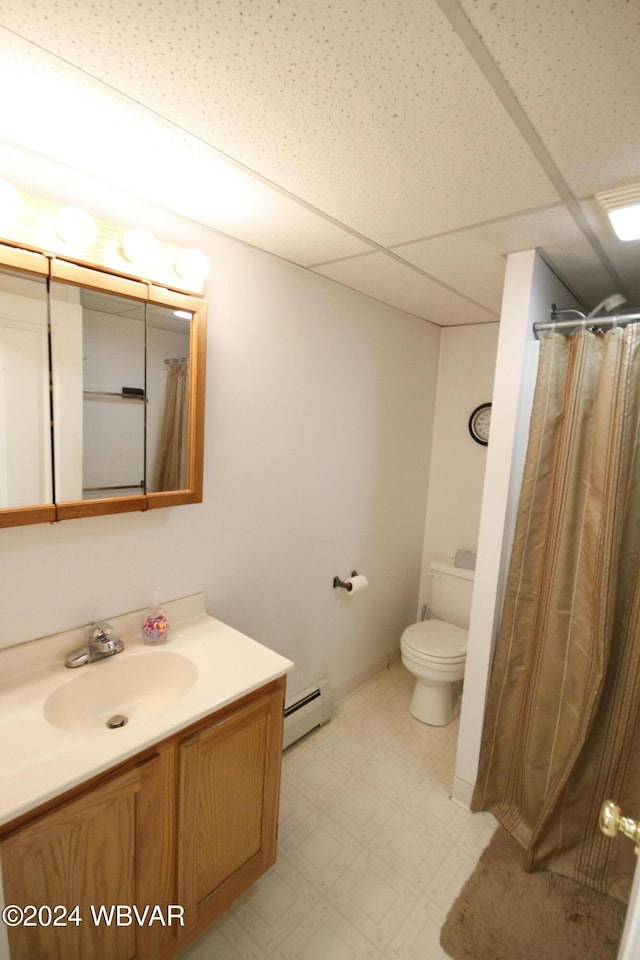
{"points": [[480, 423]]}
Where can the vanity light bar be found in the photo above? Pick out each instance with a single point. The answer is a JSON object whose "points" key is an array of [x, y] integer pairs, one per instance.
{"points": [[37, 224], [10, 205]]}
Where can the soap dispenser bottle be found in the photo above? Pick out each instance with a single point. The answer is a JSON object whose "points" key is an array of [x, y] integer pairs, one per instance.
{"points": [[155, 625]]}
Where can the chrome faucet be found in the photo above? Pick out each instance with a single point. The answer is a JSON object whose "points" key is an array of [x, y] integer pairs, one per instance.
{"points": [[103, 642]]}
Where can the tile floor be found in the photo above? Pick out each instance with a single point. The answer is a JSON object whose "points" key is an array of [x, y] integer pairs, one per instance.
{"points": [[372, 851]]}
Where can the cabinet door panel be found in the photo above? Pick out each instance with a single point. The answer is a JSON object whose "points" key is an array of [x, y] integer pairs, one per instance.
{"points": [[230, 781], [94, 851]]}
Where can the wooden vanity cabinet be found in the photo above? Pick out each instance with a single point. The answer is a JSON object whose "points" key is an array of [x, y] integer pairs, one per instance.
{"points": [[191, 823], [98, 849]]}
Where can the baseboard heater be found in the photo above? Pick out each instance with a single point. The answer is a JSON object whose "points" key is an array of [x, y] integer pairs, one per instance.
{"points": [[311, 708]]}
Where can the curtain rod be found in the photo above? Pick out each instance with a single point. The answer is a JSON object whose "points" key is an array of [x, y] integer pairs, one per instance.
{"points": [[583, 323]]}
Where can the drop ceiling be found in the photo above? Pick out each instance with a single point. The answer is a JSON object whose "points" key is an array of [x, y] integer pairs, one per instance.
{"points": [[398, 147]]}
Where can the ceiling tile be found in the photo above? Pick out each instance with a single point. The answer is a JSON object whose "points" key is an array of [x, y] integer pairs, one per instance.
{"points": [[320, 131], [120, 142], [463, 260], [380, 276], [575, 69], [373, 112], [473, 261]]}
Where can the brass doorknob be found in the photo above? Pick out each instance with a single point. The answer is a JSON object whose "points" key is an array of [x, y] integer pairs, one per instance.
{"points": [[612, 822]]}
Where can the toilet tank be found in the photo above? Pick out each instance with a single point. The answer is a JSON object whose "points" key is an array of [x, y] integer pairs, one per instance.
{"points": [[451, 591]]}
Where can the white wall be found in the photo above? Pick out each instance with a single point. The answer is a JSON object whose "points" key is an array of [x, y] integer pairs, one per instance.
{"points": [[465, 380], [530, 289], [318, 431]]}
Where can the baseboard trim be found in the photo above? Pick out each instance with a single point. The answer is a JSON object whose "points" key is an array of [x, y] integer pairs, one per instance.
{"points": [[361, 679], [462, 792]]}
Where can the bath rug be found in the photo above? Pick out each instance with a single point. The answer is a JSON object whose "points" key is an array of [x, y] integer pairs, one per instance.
{"points": [[504, 913]]}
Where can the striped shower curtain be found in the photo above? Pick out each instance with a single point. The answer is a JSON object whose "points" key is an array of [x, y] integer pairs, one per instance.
{"points": [[562, 727], [172, 462]]}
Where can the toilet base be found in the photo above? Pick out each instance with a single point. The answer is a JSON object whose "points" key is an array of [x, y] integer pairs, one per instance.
{"points": [[435, 703]]}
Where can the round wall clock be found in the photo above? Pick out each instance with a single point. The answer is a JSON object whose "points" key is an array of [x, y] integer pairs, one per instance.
{"points": [[480, 423]]}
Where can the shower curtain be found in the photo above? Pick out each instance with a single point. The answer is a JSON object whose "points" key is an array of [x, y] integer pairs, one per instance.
{"points": [[171, 471], [562, 727]]}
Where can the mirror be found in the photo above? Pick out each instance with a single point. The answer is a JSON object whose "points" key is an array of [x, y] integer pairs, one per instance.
{"points": [[121, 428]]}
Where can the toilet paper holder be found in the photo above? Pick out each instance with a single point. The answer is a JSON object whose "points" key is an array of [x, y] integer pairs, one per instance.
{"points": [[337, 582]]}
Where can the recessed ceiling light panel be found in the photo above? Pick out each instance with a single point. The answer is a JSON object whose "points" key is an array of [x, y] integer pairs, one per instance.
{"points": [[623, 208]]}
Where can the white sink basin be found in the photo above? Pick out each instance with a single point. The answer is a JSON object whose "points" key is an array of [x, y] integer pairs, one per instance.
{"points": [[137, 686], [53, 733]]}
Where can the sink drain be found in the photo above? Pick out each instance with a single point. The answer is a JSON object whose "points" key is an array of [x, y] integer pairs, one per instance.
{"points": [[119, 720]]}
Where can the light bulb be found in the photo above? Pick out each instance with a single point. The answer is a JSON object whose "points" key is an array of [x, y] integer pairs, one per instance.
{"points": [[192, 265], [75, 227], [139, 246]]}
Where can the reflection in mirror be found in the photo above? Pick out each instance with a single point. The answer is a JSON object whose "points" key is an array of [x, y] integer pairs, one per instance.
{"points": [[168, 381], [25, 415], [98, 374], [102, 389]]}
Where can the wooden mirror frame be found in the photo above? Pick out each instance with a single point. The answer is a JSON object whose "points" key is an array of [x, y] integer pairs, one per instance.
{"points": [[53, 268]]}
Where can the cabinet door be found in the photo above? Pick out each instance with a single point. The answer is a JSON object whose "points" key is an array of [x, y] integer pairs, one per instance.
{"points": [[97, 850], [229, 795]]}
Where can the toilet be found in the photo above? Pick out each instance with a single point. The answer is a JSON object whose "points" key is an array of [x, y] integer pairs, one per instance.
{"points": [[435, 650]]}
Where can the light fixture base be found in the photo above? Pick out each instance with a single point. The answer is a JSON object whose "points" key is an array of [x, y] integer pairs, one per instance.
{"points": [[32, 223]]}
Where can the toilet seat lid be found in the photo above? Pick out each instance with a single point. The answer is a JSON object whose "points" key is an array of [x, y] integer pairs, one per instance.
{"points": [[437, 639]]}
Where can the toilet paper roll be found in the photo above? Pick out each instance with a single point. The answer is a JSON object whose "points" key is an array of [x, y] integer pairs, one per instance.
{"points": [[357, 583]]}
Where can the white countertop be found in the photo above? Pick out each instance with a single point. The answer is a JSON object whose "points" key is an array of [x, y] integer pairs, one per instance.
{"points": [[38, 761]]}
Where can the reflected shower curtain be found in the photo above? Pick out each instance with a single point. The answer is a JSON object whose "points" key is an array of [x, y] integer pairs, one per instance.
{"points": [[171, 471], [562, 727]]}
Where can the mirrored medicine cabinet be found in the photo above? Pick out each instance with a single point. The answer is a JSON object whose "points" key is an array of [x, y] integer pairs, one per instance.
{"points": [[102, 384]]}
